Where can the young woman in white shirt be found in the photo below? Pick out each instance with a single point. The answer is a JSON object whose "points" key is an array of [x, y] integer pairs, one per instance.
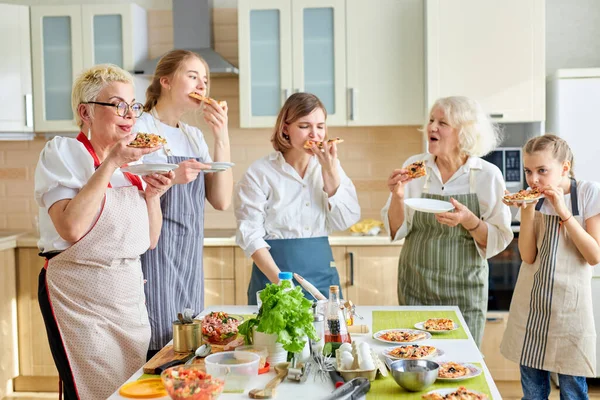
{"points": [[444, 257], [288, 202], [173, 270]]}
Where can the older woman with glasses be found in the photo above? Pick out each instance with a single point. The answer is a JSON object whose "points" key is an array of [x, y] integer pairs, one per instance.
{"points": [[95, 222]]}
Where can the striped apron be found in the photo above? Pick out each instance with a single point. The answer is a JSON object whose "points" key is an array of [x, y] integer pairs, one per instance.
{"points": [[440, 265], [551, 323], [173, 270]]}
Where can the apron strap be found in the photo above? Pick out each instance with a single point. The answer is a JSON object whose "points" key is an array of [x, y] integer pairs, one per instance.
{"points": [[426, 185]]}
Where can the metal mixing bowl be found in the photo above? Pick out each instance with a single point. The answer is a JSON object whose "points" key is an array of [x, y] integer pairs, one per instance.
{"points": [[414, 375]]}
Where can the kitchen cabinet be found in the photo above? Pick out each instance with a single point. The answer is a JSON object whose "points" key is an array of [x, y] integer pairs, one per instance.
{"points": [[16, 102], [67, 39], [491, 51], [219, 276], [364, 63], [8, 320], [500, 368]]}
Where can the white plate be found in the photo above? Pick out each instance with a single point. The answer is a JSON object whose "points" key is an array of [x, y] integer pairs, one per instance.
{"points": [[429, 205], [219, 166], [473, 372], [525, 200], [388, 353], [421, 326], [147, 169], [377, 335], [443, 392]]}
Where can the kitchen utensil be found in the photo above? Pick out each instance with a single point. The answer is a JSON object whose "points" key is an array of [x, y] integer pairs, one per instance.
{"points": [[172, 363], [269, 390], [414, 375], [165, 355], [357, 387], [336, 378], [201, 352]]}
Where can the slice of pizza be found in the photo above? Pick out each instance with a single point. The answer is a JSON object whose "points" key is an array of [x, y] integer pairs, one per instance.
{"points": [[207, 100], [414, 351], [309, 143], [403, 336], [462, 393], [417, 169], [147, 140], [452, 370], [524, 194], [439, 324]]}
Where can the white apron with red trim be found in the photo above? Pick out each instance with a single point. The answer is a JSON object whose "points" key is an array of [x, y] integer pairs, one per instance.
{"points": [[96, 291], [551, 323]]}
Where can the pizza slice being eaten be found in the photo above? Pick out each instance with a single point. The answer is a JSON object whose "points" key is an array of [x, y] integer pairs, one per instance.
{"points": [[309, 143], [417, 169], [207, 100], [524, 194], [147, 140]]}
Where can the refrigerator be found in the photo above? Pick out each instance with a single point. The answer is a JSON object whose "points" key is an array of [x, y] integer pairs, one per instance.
{"points": [[572, 111]]}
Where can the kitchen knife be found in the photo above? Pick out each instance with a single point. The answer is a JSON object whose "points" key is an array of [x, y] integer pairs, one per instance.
{"points": [[159, 370]]}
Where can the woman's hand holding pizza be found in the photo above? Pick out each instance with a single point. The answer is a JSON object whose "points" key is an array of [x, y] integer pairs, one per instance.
{"points": [[327, 157], [188, 171], [215, 115], [122, 154], [396, 181], [556, 197]]}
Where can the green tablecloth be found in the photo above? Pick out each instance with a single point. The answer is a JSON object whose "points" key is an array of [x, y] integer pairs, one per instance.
{"points": [[387, 388], [408, 319]]}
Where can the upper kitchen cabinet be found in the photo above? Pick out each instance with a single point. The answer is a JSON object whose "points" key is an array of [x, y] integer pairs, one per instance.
{"points": [[67, 39], [16, 105], [492, 51]]}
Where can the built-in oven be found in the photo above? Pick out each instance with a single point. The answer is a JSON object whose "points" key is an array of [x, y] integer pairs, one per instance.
{"points": [[503, 273]]}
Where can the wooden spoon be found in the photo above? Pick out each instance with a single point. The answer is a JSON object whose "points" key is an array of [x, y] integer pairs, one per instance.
{"points": [[269, 390]]}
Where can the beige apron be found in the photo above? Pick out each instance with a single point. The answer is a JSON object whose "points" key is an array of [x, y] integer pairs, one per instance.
{"points": [[96, 291], [551, 324]]}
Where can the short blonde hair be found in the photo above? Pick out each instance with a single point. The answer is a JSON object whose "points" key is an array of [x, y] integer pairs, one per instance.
{"points": [[296, 106], [90, 82], [477, 134], [558, 147]]}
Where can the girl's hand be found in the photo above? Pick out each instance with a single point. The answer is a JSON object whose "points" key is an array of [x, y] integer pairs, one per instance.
{"points": [[460, 215], [523, 205], [216, 117], [121, 154], [157, 184], [188, 171], [398, 178], [327, 157], [556, 196]]}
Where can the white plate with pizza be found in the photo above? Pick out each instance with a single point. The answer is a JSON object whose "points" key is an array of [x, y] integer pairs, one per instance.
{"points": [[451, 371], [437, 325], [429, 205], [459, 393], [523, 196], [219, 166], [394, 336], [413, 352], [148, 169]]}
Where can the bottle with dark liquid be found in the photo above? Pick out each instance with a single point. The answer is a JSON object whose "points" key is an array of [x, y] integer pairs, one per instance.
{"points": [[336, 331]]}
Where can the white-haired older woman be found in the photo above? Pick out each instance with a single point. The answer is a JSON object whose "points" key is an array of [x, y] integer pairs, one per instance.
{"points": [[95, 222], [443, 260]]}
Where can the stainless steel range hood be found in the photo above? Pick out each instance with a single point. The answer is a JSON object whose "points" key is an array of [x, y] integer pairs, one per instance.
{"points": [[192, 25]]}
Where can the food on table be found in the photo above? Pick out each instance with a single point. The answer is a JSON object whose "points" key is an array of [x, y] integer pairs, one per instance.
{"points": [[191, 383], [439, 324], [207, 100], [147, 140], [461, 393], [219, 328], [417, 169], [402, 335], [309, 143], [346, 347], [524, 194], [412, 351], [452, 370]]}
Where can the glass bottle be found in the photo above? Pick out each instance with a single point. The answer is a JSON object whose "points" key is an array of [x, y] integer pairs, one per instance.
{"points": [[336, 330]]}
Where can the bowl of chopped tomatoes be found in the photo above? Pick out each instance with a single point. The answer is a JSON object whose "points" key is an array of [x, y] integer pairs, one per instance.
{"points": [[190, 382]]}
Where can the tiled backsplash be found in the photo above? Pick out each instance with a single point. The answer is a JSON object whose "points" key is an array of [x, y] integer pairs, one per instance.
{"points": [[368, 154]]}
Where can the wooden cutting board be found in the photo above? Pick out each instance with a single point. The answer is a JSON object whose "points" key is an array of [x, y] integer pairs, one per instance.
{"points": [[165, 355]]}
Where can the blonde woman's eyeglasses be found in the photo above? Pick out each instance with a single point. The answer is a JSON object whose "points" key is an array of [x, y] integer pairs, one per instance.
{"points": [[122, 107]]}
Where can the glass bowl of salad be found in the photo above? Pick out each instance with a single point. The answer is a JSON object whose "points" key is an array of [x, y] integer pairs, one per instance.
{"points": [[220, 328], [190, 382]]}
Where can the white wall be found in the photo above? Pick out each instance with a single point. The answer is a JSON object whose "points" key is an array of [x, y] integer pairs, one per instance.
{"points": [[572, 34]]}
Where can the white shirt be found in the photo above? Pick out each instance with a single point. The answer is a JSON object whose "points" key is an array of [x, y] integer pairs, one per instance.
{"points": [[489, 187], [64, 167], [273, 202], [185, 141]]}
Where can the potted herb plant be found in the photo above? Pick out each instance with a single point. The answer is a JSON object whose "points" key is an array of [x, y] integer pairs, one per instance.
{"points": [[285, 315]]}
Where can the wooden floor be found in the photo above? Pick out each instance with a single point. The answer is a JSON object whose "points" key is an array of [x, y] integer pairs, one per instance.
{"points": [[508, 390]]}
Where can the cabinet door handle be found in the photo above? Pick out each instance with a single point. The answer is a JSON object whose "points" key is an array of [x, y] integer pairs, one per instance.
{"points": [[286, 94], [352, 104], [351, 256], [28, 110], [296, 90], [499, 115]]}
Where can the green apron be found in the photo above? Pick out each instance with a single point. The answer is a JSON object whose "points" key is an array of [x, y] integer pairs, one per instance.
{"points": [[440, 265]]}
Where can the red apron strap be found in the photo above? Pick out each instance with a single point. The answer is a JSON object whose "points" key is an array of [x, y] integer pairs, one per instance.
{"points": [[134, 179]]}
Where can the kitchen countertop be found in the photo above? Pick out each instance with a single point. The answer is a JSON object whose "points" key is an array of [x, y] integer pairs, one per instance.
{"points": [[9, 239]]}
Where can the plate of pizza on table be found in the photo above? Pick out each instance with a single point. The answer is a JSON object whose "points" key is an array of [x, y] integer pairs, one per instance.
{"points": [[413, 352], [453, 371], [461, 393], [523, 196], [437, 325], [393, 336]]}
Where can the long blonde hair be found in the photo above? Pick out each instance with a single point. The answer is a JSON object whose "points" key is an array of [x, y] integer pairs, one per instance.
{"points": [[295, 107], [558, 147], [168, 66]]}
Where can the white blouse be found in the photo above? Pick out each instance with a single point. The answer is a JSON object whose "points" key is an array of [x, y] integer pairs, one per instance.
{"points": [[185, 141], [272, 201], [64, 167], [489, 187]]}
